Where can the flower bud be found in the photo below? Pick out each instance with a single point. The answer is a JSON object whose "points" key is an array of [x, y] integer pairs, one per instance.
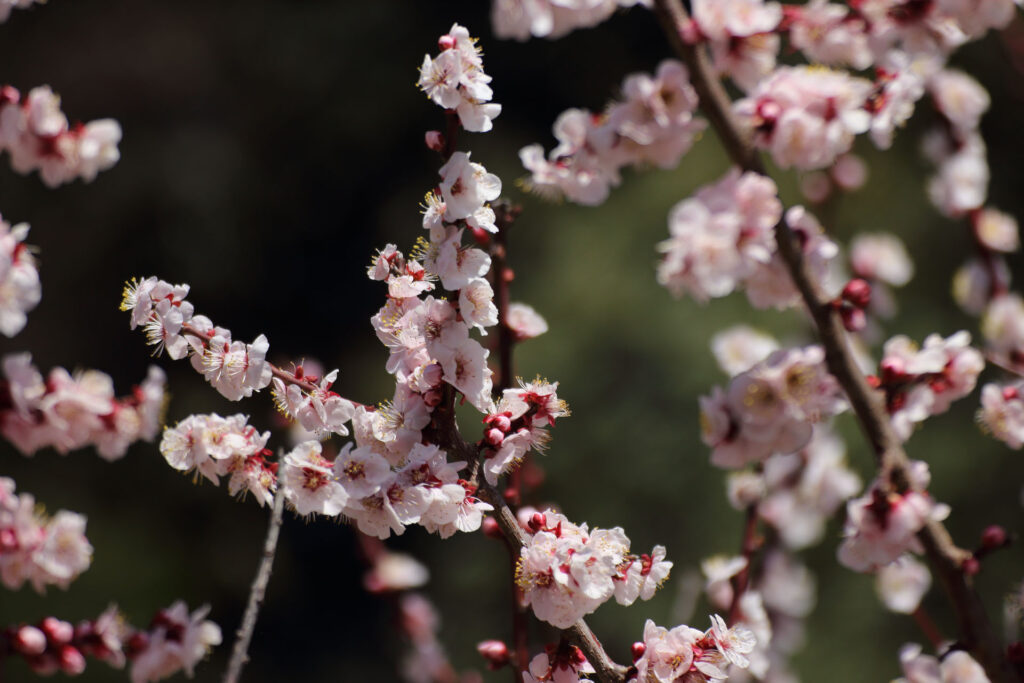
{"points": [[854, 319], [858, 292], [494, 436], [57, 632], [1009, 393], [432, 398], [29, 640], [971, 566], [72, 662], [495, 652], [434, 140], [446, 42], [491, 528], [993, 537], [638, 649], [537, 521]]}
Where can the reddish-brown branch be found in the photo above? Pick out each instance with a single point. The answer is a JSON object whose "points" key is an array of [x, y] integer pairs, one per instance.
{"points": [[928, 627], [750, 545], [946, 558]]}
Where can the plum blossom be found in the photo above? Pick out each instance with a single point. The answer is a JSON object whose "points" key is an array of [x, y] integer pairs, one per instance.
{"points": [[455, 80], [524, 321], [902, 584], [521, 19], [741, 347], [20, 290], [566, 571], [37, 548], [684, 653], [176, 641], [769, 408], [956, 667], [720, 235], [68, 412], [1002, 413], [37, 135], [881, 526], [806, 117]]}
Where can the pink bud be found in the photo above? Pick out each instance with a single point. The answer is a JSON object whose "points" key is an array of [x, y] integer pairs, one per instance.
{"points": [[893, 369], [29, 640], [9, 95], [502, 422], [850, 172], [72, 662], [494, 437], [1009, 393], [8, 540], [435, 141], [537, 521], [495, 652], [432, 374], [854, 319], [971, 566], [858, 292], [446, 42], [491, 528], [57, 632], [638, 650], [432, 398]]}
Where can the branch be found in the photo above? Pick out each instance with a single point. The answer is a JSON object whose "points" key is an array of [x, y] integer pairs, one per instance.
{"points": [[239, 652], [946, 558]]}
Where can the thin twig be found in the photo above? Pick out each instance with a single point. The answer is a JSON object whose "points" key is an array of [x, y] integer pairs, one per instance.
{"points": [[239, 653], [946, 558]]}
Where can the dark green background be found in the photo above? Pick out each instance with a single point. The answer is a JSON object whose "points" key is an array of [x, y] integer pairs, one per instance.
{"points": [[270, 147]]}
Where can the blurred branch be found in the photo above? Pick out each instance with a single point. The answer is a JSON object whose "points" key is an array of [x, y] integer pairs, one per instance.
{"points": [[239, 653], [946, 558]]}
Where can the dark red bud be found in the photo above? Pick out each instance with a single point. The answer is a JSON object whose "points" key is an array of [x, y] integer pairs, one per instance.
{"points": [[971, 566], [495, 652], [1015, 652], [993, 537], [1010, 393], [494, 436], [858, 292], [72, 661], [28, 640], [434, 140], [57, 632], [537, 521], [638, 650]]}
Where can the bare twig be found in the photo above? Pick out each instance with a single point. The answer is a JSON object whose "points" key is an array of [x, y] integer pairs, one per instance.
{"points": [[946, 558], [239, 653]]}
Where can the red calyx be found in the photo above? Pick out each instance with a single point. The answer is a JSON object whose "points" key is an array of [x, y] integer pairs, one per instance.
{"points": [[858, 292]]}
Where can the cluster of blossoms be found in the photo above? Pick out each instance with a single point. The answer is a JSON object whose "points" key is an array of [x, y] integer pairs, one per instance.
{"points": [[566, 571], [37, 135], [36, 548], [723, 238], [455, 80], [216, 446], [956, 665], [521, 19], [517, 425], [882, 524], [68, 412], [921, 382], [20, 290], [686, 654], [233, 368], [653, 125], [175, 641], [770, 408]]}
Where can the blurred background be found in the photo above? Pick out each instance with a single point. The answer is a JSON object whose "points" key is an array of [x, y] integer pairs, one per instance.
{"points": [[269, 148]]}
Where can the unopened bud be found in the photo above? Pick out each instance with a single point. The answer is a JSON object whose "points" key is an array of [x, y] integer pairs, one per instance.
{"points": [[893, 369], [858, 292], [502, 422], [971, 566], [480, 236], [494, 436], [72, 661], [446, 42], [57, 632], [854, 319], [495, 652], [491, 528], [432, 398], [537, 521], [9, 95], [1010, 393], [638, 650], [993, 537], [434, 140], [29, 640]]}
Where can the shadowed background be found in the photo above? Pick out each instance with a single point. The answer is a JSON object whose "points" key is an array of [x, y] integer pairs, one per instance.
{"points": [[269, 148]]}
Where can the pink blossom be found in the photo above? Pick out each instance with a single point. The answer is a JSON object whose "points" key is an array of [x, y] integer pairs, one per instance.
{"points": [[20, 290]]}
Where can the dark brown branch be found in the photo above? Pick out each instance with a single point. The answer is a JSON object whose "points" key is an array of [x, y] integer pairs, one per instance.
{"points": [[239, 653], [946, 558]]}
